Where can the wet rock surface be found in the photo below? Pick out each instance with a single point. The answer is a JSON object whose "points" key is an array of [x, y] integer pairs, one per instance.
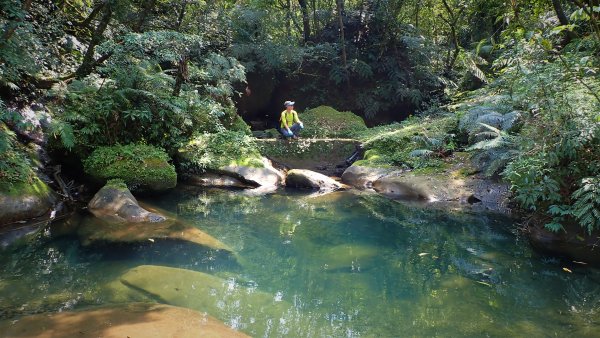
{"points": [[443, 188], [214, 180], [24, 204], [255, 177], [116, 204], [362, 177]]}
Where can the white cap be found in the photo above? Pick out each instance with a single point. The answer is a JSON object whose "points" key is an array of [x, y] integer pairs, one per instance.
{"points": [[288, 103]]}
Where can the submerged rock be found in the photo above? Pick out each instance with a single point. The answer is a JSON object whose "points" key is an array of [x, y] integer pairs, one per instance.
{"points": [[250, 310], [24, 201], [349, 258], [301, 178], [574, 243], [130, 320]]}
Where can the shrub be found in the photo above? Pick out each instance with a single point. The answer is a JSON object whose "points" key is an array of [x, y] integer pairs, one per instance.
{"points": [[214, 151], [142, 167]]}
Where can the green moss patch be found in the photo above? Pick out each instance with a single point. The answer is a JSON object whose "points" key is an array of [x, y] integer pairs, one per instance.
{"points": [[324, 121], [215, 151], [34, 188], [141, 167], [415, 143]]}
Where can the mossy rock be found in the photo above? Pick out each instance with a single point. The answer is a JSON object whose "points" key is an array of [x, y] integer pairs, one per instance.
{"points": [[22, 201], [142, 167], [325, 121]]}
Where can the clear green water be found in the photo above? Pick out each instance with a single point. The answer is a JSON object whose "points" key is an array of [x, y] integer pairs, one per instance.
{"points": [[349, 265]]}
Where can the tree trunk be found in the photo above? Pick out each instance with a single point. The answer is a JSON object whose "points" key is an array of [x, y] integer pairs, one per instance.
{"points": [[288, 22], [340, 6], [182, 75], [562, 18], [417, 13], [88, 64], [590, 12], [181, 16], [305, 20], [146, 9], [452, 22], [85, 23]]}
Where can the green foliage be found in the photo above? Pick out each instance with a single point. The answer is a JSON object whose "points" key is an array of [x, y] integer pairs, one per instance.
{"points": [[136, 102], [214, 151], [15, 163], [325, 121], [142, 167], [555, 172], [116, 183]]}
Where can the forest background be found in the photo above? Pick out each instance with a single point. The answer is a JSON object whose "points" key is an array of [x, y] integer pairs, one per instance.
{"points": [[514, 83]]}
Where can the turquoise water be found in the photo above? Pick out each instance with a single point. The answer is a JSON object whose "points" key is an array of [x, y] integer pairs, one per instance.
{"points": [[340, 265]]}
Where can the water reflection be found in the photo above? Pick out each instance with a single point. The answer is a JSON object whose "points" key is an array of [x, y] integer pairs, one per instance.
{"points": [[342, 265]]}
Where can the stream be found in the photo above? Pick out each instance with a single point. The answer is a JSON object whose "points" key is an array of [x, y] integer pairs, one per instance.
{"points": [[345, 264]]}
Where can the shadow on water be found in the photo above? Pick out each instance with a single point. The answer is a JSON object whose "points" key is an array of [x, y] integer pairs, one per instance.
{"points": [[348, 264]]}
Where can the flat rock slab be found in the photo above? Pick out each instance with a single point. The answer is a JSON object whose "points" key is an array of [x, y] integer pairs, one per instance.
{"points": [[307, 179], [362, 177], [443, 188], [247, 309], [131, 320], [214, 180]]}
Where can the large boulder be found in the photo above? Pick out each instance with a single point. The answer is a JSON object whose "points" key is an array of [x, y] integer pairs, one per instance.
{"points": [[255, 176], [122, 220], [228, 153], [306, 179], [574, 242], [115, 203], [362, 177], [129, 320], [142, 167], [23, 201]]}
